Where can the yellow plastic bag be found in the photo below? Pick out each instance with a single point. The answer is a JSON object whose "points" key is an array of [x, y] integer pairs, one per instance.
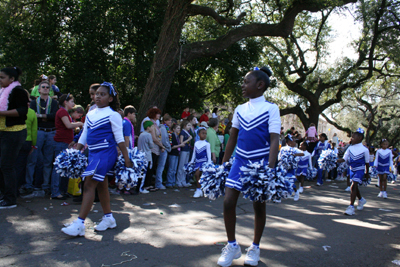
{"points": [[73, 186]]}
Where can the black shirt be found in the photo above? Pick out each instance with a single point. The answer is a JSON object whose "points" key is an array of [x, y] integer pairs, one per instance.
{"points": [[18, 99], [49, 121]]}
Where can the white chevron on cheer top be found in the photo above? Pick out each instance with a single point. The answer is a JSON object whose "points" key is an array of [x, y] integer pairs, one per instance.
{"points": [[249, 125], [97, 124]]}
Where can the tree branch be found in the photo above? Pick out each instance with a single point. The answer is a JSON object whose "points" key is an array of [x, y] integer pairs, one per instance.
{"points": [[195, 10], [281, 29], [337, 126]]}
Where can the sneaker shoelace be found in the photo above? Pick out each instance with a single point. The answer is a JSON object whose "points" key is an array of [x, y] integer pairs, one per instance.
{"points": [[251, 252], [226, 250]]}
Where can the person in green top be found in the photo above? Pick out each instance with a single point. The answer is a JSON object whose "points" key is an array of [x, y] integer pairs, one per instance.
{"points": [[213, 139], [35, 90], [27, 148]]}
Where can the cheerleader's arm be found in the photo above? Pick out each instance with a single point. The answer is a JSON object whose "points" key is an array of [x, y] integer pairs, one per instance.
{"points": [[83, 138], [309, 161], [193, 154], [376, 158], [208, 153], [391, 161], [116, 126]]}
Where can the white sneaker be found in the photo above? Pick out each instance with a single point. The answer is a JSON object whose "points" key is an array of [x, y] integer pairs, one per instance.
{"points": [[301, 190], [380, 194], [348, 189], [144, 191], [296, 198], [384, 195], [187, 185], [252, 256], [162, 187], [328, 180], [349, 211], [318, 184], [361, 203], [229, 253], [198, 193], [76, 228], [106, 222], [277, 200]]}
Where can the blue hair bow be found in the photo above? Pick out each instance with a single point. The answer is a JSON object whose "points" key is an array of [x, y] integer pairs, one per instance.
{"points": [[290, 137], [256, 68], [361, 131], [111, 86]]}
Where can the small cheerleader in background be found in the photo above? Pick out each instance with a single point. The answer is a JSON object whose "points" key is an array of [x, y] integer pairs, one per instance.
{"points": [[102, 132], [292, 149], [201, 155], [357, 157], [383, 161], [371, 156], [321, 146], [302, 165]]}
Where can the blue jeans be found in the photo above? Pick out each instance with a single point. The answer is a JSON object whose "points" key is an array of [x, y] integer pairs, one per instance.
{"points": [[45, 146], [162, 159], [58, 184], [172, 165]]}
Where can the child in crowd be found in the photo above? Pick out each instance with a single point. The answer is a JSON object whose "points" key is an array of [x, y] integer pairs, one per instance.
{"points": [[145, 144], [384, 165], [255, 129], [302, 166], [127, 125], [201, 155], [321, 146], [173, 156], [63, 137], [184, 138], [357, 157], [291, 173], [102, 132]]}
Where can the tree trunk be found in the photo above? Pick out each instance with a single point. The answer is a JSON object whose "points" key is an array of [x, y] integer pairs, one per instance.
{"points": [[166, 59]]}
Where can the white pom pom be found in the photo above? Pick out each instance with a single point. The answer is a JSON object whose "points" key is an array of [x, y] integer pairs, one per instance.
{"points": [[287, 159], [261, 183], [70, 163], [129, 176], [213, 179], [342, 168], [311, 173], [327, 160]]}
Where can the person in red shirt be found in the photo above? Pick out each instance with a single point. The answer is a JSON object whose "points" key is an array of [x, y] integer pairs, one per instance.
{"points": [[204, 117], [185, 113], [64, 135]]}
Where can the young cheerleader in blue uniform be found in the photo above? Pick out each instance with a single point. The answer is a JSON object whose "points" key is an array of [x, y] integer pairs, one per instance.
{"points": [[383, 163], [201, 155], [321, 146], [291, 173], [255, 129], [357, 157], [302, 165], [102, 133]]}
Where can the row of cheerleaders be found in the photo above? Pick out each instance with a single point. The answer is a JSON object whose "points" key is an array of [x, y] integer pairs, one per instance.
{"points": [[260, 183]]}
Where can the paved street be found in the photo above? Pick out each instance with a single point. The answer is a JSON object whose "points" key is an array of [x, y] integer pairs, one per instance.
{"points": [[310, 232]]}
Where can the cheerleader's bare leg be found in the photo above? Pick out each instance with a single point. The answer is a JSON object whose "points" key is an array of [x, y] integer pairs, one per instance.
{"points": [[230, 202], [88, 197], [104, 195], [259, 220]]}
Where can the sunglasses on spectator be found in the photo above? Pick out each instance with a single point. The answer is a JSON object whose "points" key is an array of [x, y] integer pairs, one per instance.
{"points": [[45, 87]]}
